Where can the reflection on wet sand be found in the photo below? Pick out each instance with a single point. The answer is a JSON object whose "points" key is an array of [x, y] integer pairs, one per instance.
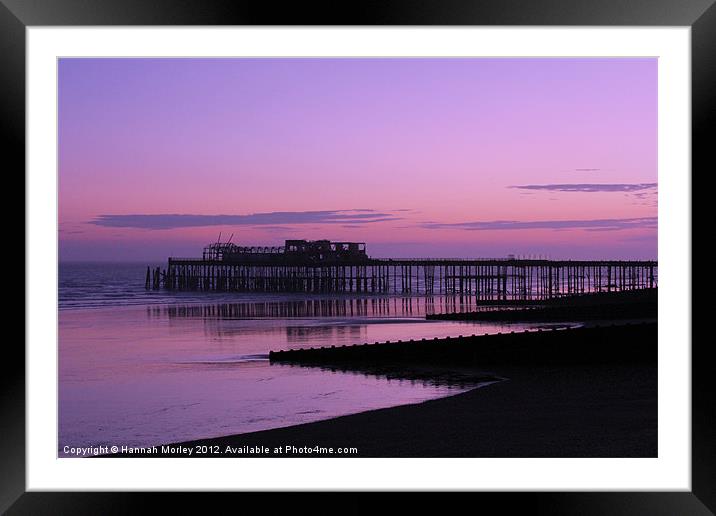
{"points": [[452, 378], [323, 307], [190, 364], [329, 333], [321, 321]]}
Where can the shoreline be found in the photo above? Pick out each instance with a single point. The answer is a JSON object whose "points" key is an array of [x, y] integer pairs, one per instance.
{"points": [[600, 408], [580, 412]]}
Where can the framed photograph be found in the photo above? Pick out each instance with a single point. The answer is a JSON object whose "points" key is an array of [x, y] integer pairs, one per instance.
{"points": [[436, 249]]}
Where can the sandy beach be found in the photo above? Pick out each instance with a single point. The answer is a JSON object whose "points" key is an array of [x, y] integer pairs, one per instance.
{"points": [[603, 411], [581, 392]]}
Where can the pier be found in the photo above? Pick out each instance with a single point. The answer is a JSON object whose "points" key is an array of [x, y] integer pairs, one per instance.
{"points": [[324, 267]]}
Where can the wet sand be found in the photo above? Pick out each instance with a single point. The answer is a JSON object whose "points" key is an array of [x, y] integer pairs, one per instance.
{"points": [[604, 411], [602, 403]]}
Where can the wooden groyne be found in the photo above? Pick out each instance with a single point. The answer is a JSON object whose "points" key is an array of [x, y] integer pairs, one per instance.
{"points": [[634, 304], [329, 267], [618, 343]]}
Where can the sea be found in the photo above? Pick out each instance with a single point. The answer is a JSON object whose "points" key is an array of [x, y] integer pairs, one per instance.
{"points": [[141, 367]]}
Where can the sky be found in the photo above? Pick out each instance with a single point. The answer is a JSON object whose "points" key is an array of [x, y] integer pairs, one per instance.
{"points": [[442, 157]]}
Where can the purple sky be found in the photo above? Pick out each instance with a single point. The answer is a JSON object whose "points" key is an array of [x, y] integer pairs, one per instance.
{"points": [[416, 157]]}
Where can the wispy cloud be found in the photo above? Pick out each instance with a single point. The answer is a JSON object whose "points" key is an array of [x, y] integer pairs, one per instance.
{"points": [[587, 169], [172, 221], [588, 225], [277, 228], [589, 187]]}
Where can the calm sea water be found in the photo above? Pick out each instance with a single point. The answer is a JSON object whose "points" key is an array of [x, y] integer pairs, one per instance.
{"points": [[142, 368]]}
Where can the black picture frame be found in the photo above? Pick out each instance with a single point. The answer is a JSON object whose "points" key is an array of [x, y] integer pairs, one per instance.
{"points": [[700, 15]]}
